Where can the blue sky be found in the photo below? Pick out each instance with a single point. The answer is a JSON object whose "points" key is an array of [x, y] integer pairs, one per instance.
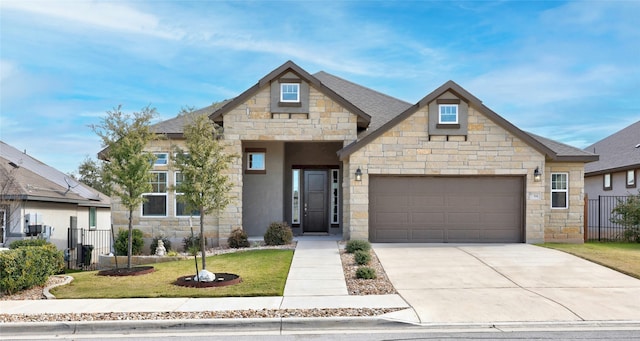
{"points": [[565, 70]]}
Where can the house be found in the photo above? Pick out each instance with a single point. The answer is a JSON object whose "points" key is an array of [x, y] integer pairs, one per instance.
{"points": [[332, 157], [37, 200], [617, 171]]}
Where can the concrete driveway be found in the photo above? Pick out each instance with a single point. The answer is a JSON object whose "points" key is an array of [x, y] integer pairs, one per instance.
{"points": [[505, 283]]}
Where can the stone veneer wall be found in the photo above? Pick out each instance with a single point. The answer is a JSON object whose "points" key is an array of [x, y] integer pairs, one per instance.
{"points": [[254, 121], [406, 150], [565, 225]]}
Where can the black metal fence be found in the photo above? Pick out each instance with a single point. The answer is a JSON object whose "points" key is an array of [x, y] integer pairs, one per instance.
{"points": [[84, 246], [599, 214]]}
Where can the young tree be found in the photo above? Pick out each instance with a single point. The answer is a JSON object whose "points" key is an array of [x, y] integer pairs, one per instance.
{"points": [[202, 165], [90, 172], [128, 166], [627, 214]]}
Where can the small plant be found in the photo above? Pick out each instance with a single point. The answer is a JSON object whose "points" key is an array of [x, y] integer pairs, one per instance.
{"points": [[191, 243], [366, 272], [627, 214], [355, 245], [27, 242], [154, 244], [278, 233], [122, 242], [238, 238], [172, 253], [362, 257]]}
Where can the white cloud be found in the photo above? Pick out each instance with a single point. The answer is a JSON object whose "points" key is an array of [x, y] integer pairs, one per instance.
{"points": [[104, 15]]}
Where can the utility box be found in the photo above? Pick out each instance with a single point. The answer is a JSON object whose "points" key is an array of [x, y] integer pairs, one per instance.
{"points": [[33, 224]]}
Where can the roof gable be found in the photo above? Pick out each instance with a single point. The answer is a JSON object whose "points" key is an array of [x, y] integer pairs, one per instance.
{"points": [[618, 152], [551, 149], [363, 118]]}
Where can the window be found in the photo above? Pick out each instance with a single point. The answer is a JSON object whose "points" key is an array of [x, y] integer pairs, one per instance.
{"points": [[606, 184], [631, 178], [559, 190], [289, 92], [162, 159], [181, 208], [256, 160], [335, 197], [448, 113], [156, 203], [295, 196], [93, 217]]}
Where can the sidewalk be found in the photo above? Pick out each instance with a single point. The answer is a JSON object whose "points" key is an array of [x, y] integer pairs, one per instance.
{"points": [[315, 281]]}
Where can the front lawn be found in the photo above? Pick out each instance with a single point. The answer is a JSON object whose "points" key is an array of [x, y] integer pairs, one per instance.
{"points": [[623, 257], [263, 272]]}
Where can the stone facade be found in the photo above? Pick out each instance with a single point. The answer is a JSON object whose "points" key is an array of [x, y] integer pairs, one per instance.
{"points": [[565, 225]]}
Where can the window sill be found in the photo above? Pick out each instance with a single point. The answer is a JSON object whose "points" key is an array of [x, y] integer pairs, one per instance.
{"points": [[290, 104], [447, 126], [255, 171]]}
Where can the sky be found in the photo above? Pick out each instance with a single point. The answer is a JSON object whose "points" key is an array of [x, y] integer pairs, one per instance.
{"points": [[565, 70]]}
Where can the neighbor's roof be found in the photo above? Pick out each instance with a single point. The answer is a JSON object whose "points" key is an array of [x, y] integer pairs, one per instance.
{"points": [[618, 152], [174, 127], [30, 179]]}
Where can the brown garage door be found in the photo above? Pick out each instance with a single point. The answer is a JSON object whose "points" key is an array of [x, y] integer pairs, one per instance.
{"points": [[446, 209]]}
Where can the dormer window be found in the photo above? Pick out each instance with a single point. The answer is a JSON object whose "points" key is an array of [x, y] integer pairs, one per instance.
{"points": [[448, 113], [290, 92]]}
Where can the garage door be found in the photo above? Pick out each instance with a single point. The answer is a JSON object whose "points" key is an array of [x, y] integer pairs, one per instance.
{"points": [[446, 209]]}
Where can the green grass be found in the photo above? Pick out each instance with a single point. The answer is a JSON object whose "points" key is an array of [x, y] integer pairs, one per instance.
{"points": [[623, 257], [263, 273]]}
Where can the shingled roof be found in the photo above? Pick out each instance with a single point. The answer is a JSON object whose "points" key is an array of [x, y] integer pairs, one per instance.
{"points": [[618, 152], [30, 179], [174, 127]]}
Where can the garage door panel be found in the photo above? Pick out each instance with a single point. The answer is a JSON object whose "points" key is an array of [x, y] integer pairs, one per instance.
{"points": [[446, 209]]}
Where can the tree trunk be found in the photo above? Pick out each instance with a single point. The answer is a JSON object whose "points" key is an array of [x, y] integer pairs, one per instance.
{"points": [[130, 242], [202, 240]]}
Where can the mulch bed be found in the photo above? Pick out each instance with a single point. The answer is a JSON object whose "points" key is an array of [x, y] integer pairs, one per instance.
{"points": [[135, 271], [224, 279]]}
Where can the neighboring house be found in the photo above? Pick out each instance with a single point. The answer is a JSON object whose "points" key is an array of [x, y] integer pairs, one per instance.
{"points": [[332, 157], [617, 171], [39, 201]]}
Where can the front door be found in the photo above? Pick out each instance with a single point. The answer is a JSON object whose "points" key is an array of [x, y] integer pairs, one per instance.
{"points": [[315, 203]]}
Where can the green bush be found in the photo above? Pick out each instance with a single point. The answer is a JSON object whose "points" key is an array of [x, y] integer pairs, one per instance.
{"points": [[154, 244], [28, 242], [191, 244], [122, 240], [627, 214], [278, 233], [238, 238], [366, 272], [355, 245], [362, 257], [28, 266]]}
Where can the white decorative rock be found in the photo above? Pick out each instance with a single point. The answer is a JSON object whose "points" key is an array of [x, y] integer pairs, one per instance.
{"points": [[205, 276]]}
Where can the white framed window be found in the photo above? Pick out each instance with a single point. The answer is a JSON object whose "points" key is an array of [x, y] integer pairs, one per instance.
{"points": [[559, 190], [181, 208], [631, 178], [295, 196], [93, 218], [606, 182], [448, 113], [162, 159], [156, 203], [289, 92], [256, 161], [335, 196]]}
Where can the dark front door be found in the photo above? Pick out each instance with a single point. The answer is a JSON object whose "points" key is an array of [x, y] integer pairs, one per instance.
{"points": [[315, 203]]}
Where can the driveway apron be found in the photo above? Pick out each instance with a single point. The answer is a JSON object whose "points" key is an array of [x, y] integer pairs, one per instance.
{"points": [[479, 283]]}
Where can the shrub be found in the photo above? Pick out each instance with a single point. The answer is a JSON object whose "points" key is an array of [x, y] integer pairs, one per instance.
{"points": [[191, 244], [366, 272], [28, 266], [121, 245], [28, 242], [238, 238], [278, 233], [362, 257], [355, 245], [627, 214], [154, 244]]}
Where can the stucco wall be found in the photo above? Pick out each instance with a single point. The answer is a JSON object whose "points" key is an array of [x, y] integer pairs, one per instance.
{"points": [[594, 185], [406, 149]]}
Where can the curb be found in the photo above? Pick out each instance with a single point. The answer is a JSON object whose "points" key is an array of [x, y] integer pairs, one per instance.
{"points": [[289, 325], [48, 295]]}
